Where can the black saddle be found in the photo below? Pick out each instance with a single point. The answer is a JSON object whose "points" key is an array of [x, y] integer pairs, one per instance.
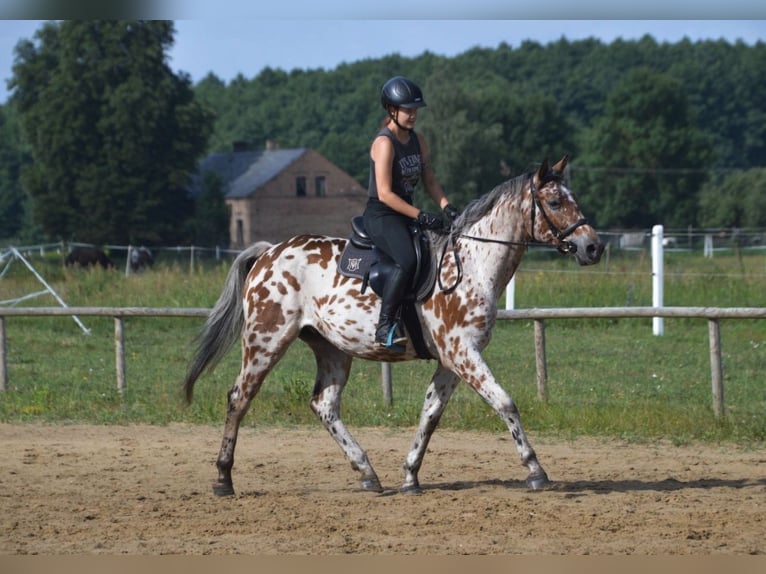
{"points": [[362, 260]]}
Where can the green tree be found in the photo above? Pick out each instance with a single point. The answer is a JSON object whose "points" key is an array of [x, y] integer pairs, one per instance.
{"points": [[644, 160], [211, 214], [13, 201], [485, 130], [114, 133], [461, 144], [739, 200]]}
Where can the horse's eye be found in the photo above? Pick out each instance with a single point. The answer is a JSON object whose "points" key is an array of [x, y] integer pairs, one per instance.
{"points": [[554, 204]]}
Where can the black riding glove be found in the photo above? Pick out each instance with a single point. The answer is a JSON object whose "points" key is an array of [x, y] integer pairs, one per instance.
{"points": [[429, 220], [451, 212]]}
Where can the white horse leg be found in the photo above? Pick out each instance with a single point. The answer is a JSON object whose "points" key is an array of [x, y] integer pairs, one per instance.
{"points": [[440, 390], [333, 368], [483, 382]]}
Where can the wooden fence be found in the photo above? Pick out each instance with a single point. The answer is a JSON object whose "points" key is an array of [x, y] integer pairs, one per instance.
{"points": [[119, 313], [712, 314]]}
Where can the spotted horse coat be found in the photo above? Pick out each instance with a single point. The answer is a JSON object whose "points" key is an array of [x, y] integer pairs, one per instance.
{"points": [[277, 293]]}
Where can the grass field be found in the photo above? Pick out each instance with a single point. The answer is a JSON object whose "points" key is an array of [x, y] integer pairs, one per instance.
{"points": [[610, 378]]}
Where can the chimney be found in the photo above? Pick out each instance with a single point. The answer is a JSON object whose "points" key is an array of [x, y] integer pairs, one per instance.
{"points": [[271, 145]]}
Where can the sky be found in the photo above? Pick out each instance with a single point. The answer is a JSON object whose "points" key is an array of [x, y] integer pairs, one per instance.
{"points": [[228, 46]]}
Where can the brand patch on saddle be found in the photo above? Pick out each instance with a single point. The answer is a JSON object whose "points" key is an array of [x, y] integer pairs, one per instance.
{"points": [[355, 262]]}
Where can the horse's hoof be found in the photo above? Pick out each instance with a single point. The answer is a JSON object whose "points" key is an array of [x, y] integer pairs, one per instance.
{"points": [[223, 488], [371, 484], [411, 489], [538, 481]]}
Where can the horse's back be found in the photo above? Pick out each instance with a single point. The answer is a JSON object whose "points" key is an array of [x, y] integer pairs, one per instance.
{"points": [[296, 284]]}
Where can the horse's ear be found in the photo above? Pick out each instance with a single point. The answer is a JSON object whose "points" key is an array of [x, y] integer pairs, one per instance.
{"points": [[561, 165], [542, 171]]}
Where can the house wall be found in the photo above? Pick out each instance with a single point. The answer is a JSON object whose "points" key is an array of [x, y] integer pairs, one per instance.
{"points": [[275, 212]]}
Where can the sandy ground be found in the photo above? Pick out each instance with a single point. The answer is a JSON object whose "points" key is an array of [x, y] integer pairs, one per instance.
{"points": [[146, 490]]}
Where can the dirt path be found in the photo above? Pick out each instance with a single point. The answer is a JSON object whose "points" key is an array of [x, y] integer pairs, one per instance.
{"points": [[146, 490]]}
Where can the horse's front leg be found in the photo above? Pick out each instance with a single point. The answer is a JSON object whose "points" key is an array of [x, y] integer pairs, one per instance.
{"points": [[476, 373], [438, 394]]}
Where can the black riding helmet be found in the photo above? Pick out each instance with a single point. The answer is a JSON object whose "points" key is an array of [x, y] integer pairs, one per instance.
{"points": [[401, 92]]}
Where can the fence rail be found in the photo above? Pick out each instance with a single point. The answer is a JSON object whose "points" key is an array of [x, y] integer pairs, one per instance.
{"points": [[713, 315], [119, 313]]}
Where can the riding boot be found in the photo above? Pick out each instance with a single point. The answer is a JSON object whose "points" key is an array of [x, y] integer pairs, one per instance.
{"points": [[388, 332]]}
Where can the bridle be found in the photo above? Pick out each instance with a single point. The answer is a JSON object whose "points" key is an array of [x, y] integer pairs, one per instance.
{"points": [[563, 246]]}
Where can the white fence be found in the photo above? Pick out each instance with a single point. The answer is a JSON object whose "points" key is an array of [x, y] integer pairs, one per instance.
{"points": [[712, 314]]}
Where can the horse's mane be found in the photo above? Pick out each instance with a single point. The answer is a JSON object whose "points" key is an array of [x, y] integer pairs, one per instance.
{"points": [[479, 207]]}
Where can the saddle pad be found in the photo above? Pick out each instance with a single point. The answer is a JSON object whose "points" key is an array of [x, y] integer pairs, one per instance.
{"points": [[355, 262]]}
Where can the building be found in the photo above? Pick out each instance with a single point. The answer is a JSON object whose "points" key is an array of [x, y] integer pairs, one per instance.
{"points": [[274, 194]]}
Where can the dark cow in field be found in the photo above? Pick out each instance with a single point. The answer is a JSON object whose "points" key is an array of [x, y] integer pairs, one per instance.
{"points": [[88, 257], [140, 258]]}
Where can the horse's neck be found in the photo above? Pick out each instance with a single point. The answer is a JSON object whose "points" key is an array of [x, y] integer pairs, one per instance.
{"points": [[505, 231]]}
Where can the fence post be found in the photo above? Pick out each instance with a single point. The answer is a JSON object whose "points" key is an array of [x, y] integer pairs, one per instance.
{"points": [[540, 360], [119, 353], [707, 249], [127, 260], [3, 363], [510, 294], [716, 366], [387, 388], [657, 276]]}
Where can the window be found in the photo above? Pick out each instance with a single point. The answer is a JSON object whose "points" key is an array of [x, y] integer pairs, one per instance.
{"points": [[321, 186], [300, 186]]}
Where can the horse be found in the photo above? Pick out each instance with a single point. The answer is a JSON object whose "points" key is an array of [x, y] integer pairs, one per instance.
{"points": [[277, 293], [88, 257], [140, 258]]}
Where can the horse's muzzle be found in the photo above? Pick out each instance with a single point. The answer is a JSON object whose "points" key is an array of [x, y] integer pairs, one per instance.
{"points": [[585, 250]]}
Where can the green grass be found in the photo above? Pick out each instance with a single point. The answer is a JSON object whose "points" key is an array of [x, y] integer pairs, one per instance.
{"points": [[609, 378]]}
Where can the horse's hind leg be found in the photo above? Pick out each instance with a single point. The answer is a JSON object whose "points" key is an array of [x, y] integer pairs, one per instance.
{"points": [[333, 366], [438, 394], [240, 396], [257, 361]]}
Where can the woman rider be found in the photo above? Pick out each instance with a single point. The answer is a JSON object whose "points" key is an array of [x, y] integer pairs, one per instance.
{"points": [[399, 158]]}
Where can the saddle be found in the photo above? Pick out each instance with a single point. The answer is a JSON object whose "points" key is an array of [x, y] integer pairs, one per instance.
{"points": [[362, 260]]}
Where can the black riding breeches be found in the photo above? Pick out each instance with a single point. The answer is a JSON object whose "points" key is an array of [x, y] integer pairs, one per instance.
{"points": [[391, 234]]}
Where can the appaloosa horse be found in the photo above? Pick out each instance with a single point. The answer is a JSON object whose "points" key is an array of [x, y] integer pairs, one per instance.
{"points": [[275, 294]]}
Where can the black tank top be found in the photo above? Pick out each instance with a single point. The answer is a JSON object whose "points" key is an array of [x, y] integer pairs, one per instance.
{"points": [[406, 169]]}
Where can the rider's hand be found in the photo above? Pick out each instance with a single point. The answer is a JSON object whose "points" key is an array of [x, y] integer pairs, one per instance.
{"points": [[430, 221], [451, 212]]}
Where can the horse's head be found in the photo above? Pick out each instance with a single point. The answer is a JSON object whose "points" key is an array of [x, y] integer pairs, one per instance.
{"points": [[556, 217]]}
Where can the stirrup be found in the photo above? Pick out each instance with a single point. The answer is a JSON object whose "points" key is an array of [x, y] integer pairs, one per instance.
{"points": [[393, 342], [393, 338]]}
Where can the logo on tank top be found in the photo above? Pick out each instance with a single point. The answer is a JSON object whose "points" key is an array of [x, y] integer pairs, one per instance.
{"points": [[410, 166]]}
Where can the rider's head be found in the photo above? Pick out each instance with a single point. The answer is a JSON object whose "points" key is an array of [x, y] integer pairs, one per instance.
{"points": [[400, 93]]}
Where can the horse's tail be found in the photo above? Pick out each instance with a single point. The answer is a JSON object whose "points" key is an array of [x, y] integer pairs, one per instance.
{"points": [[224, 324]]}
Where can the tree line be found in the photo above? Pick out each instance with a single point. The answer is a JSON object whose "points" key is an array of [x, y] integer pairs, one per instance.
{"points": [[100, 137]]}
